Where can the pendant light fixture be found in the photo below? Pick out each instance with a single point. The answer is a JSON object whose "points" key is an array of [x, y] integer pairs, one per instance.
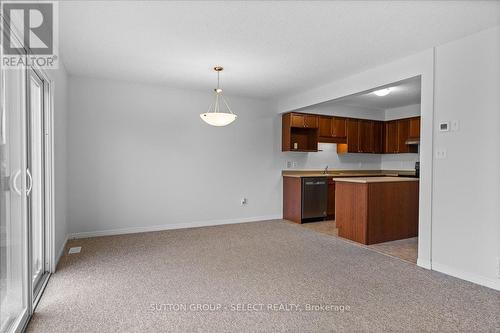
{"points": [[214, 116]]}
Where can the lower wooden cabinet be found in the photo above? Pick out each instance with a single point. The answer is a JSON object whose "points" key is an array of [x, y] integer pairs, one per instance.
{"points": [[373, 213]]}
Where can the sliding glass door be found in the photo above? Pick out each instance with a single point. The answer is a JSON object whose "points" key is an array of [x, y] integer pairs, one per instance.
{"points": [[15, 286]]}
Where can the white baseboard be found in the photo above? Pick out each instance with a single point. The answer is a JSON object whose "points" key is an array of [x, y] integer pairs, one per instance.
{"points": [[424, 263], [133, 230], [471, 277], [59, 254]]}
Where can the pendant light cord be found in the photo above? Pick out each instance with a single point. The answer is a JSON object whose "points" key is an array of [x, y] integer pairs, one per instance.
{"points": [[217, 103]]}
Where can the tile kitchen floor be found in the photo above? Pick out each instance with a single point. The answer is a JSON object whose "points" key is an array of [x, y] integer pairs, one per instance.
{"points": [[405, 249]]}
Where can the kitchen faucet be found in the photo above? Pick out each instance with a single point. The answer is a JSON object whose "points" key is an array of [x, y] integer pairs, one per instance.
{"points": [[326, 170]]}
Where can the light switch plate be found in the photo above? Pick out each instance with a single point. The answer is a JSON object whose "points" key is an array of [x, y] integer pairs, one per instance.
{"points": [[441, 154], [76, 249], [455, 125]]}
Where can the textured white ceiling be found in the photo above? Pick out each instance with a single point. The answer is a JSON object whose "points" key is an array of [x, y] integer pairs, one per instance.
{"points": [[268, 48], [403, 93]]}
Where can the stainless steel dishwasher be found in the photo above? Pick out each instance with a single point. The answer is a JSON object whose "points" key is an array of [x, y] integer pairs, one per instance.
{"points": [[314, 197]]}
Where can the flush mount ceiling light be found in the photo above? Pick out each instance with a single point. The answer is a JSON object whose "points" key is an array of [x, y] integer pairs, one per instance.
{"points": [[383, 92], [214, 116]]}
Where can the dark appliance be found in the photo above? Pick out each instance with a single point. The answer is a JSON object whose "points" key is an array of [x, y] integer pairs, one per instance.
{"points": [[314, 197]]}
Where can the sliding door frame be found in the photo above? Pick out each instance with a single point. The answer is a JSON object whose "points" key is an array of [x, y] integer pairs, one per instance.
{"points": [[48, 169]]}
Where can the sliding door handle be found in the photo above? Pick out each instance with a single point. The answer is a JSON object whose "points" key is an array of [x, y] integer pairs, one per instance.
{"points": [[30, 182], [13, 182]]}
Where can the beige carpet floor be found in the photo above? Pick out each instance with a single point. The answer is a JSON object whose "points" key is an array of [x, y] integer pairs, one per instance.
{"points": [[262, 276]]}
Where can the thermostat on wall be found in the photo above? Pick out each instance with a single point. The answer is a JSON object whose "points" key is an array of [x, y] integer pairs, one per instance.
{"points": [[444, 126]]}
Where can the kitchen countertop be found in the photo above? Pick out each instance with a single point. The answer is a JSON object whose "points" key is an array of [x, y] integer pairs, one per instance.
{"points": [[347, 173], [366, 180]]}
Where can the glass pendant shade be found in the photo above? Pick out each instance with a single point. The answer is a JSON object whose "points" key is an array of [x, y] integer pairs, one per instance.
{"points": [[218, 118], [214, 116]]}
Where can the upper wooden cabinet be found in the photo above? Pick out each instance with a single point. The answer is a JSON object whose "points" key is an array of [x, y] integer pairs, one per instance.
{"points": [[338, 127], [398, 132], [300, 120], [366, 139], [403, 135], [414, 128], [325, 127], [302, 132], [352, 127], [299, 132], [363, 136], [391, 137], [332, 129], [378, 137]]}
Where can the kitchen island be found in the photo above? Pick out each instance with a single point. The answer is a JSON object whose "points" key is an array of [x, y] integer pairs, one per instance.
{"points": [[372, 210]]}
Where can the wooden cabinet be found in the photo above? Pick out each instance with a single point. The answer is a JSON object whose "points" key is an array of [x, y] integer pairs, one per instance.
{"points": [[365, 136], [302, 132], [332, 129], [304, 120], [398, 132], [376, 212], [325, 127], [299, 132], [378, 137], [338, 127], [403, 134], [330, 211], [352, 126], [414, 128], [391, 137]]}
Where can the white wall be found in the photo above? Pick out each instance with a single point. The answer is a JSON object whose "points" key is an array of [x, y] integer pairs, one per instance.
{"points": [[59, 79], [403, 112], [336, 109], [466, 196], [140, 157]]}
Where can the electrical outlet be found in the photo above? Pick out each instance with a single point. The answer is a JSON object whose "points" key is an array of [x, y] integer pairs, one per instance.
{"points": [[294, 164], [288, 164], [244, 201]]}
